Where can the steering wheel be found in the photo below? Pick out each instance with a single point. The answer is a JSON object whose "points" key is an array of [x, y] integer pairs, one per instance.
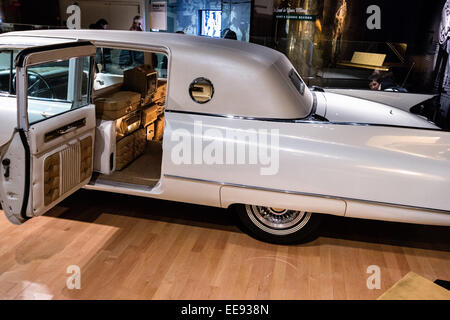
{"points": [[37, 86]]}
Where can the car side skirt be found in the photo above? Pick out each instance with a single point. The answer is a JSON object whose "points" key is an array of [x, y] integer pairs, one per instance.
{"points": [[222, 194], [353, 208]]}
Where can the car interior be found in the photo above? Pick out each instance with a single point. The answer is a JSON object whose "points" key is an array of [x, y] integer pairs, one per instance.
{"points": [[129, 96]]}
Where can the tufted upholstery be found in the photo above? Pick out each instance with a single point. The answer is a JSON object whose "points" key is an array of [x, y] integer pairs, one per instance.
{"points": [[140, 141], [128, 124], [150, 131], [116, 105], [86, 158], [159, 129], [142, 79], [149, 115], [160, 92], [124, 152], [51, 178]]}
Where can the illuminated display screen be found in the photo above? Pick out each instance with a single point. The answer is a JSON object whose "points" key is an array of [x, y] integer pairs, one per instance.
{"points": [[211, 23]]}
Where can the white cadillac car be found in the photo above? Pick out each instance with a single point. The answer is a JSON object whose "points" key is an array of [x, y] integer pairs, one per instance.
{"points": [[214, 122]]}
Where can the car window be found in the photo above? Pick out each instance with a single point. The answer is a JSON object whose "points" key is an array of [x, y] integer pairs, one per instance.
{"points": [[112, 63], [297, 81], [7, 69], [57, 87]]}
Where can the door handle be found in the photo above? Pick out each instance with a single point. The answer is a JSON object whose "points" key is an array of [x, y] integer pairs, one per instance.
{"points": [[6, 162], [67, 129], [64, 130]]}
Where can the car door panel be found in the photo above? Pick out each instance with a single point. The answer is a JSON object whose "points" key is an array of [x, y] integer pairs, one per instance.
{"points": [[63, 164], [51, 157], [13, 178], [58, 130]]}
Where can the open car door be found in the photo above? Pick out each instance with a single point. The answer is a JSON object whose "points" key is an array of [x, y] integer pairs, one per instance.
{"points": [[50, 154]]}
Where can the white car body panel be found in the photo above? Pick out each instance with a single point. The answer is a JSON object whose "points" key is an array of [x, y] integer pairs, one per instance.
{"points": [[378, 164], [391, 98], [30, 41], [357, 209], [369, 161], [328, 178], [8, 114], [341, 108]]}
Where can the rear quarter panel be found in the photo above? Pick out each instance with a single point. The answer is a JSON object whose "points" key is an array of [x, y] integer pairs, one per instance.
{"points": [[390, 165]]}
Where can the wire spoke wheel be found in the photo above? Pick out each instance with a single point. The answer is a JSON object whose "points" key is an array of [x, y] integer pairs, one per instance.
{"points": [[276, 220], [278, 225]]}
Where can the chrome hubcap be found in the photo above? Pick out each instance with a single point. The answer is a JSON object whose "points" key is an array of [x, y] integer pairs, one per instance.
{"points": [[277, 218]]}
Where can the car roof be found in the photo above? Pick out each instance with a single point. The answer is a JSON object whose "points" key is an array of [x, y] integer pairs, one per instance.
{"points": [[8, 41], [174, 41], [249, 80]]}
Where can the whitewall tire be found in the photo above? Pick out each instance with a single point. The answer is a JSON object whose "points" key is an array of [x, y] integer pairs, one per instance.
{"points": [[277, 225]]}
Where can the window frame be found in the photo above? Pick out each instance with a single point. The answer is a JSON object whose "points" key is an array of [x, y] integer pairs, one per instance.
{"points": [[88, 98], [31, 56], [132, 47], [11, 73]]}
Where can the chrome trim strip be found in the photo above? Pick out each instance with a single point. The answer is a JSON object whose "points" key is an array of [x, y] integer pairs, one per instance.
{"points": [[307, 120], [306, 194], [95, 182], [230, 116]]}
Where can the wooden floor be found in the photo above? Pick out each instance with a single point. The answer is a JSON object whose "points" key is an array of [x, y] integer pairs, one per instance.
{"points": [[136, 248]]}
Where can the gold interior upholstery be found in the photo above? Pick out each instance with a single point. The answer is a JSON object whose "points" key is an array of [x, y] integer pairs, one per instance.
{"points": [[146, 100], [159, 129], [136, 124], [124, 152], [150, 132], [140, 141], [161, 91], [51, 178], [149, 115], [86, 158], [117, 105], [128, 124], [142, 79]]}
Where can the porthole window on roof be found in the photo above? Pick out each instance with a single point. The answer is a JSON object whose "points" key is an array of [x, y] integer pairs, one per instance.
{"points": [[201, 90]]}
